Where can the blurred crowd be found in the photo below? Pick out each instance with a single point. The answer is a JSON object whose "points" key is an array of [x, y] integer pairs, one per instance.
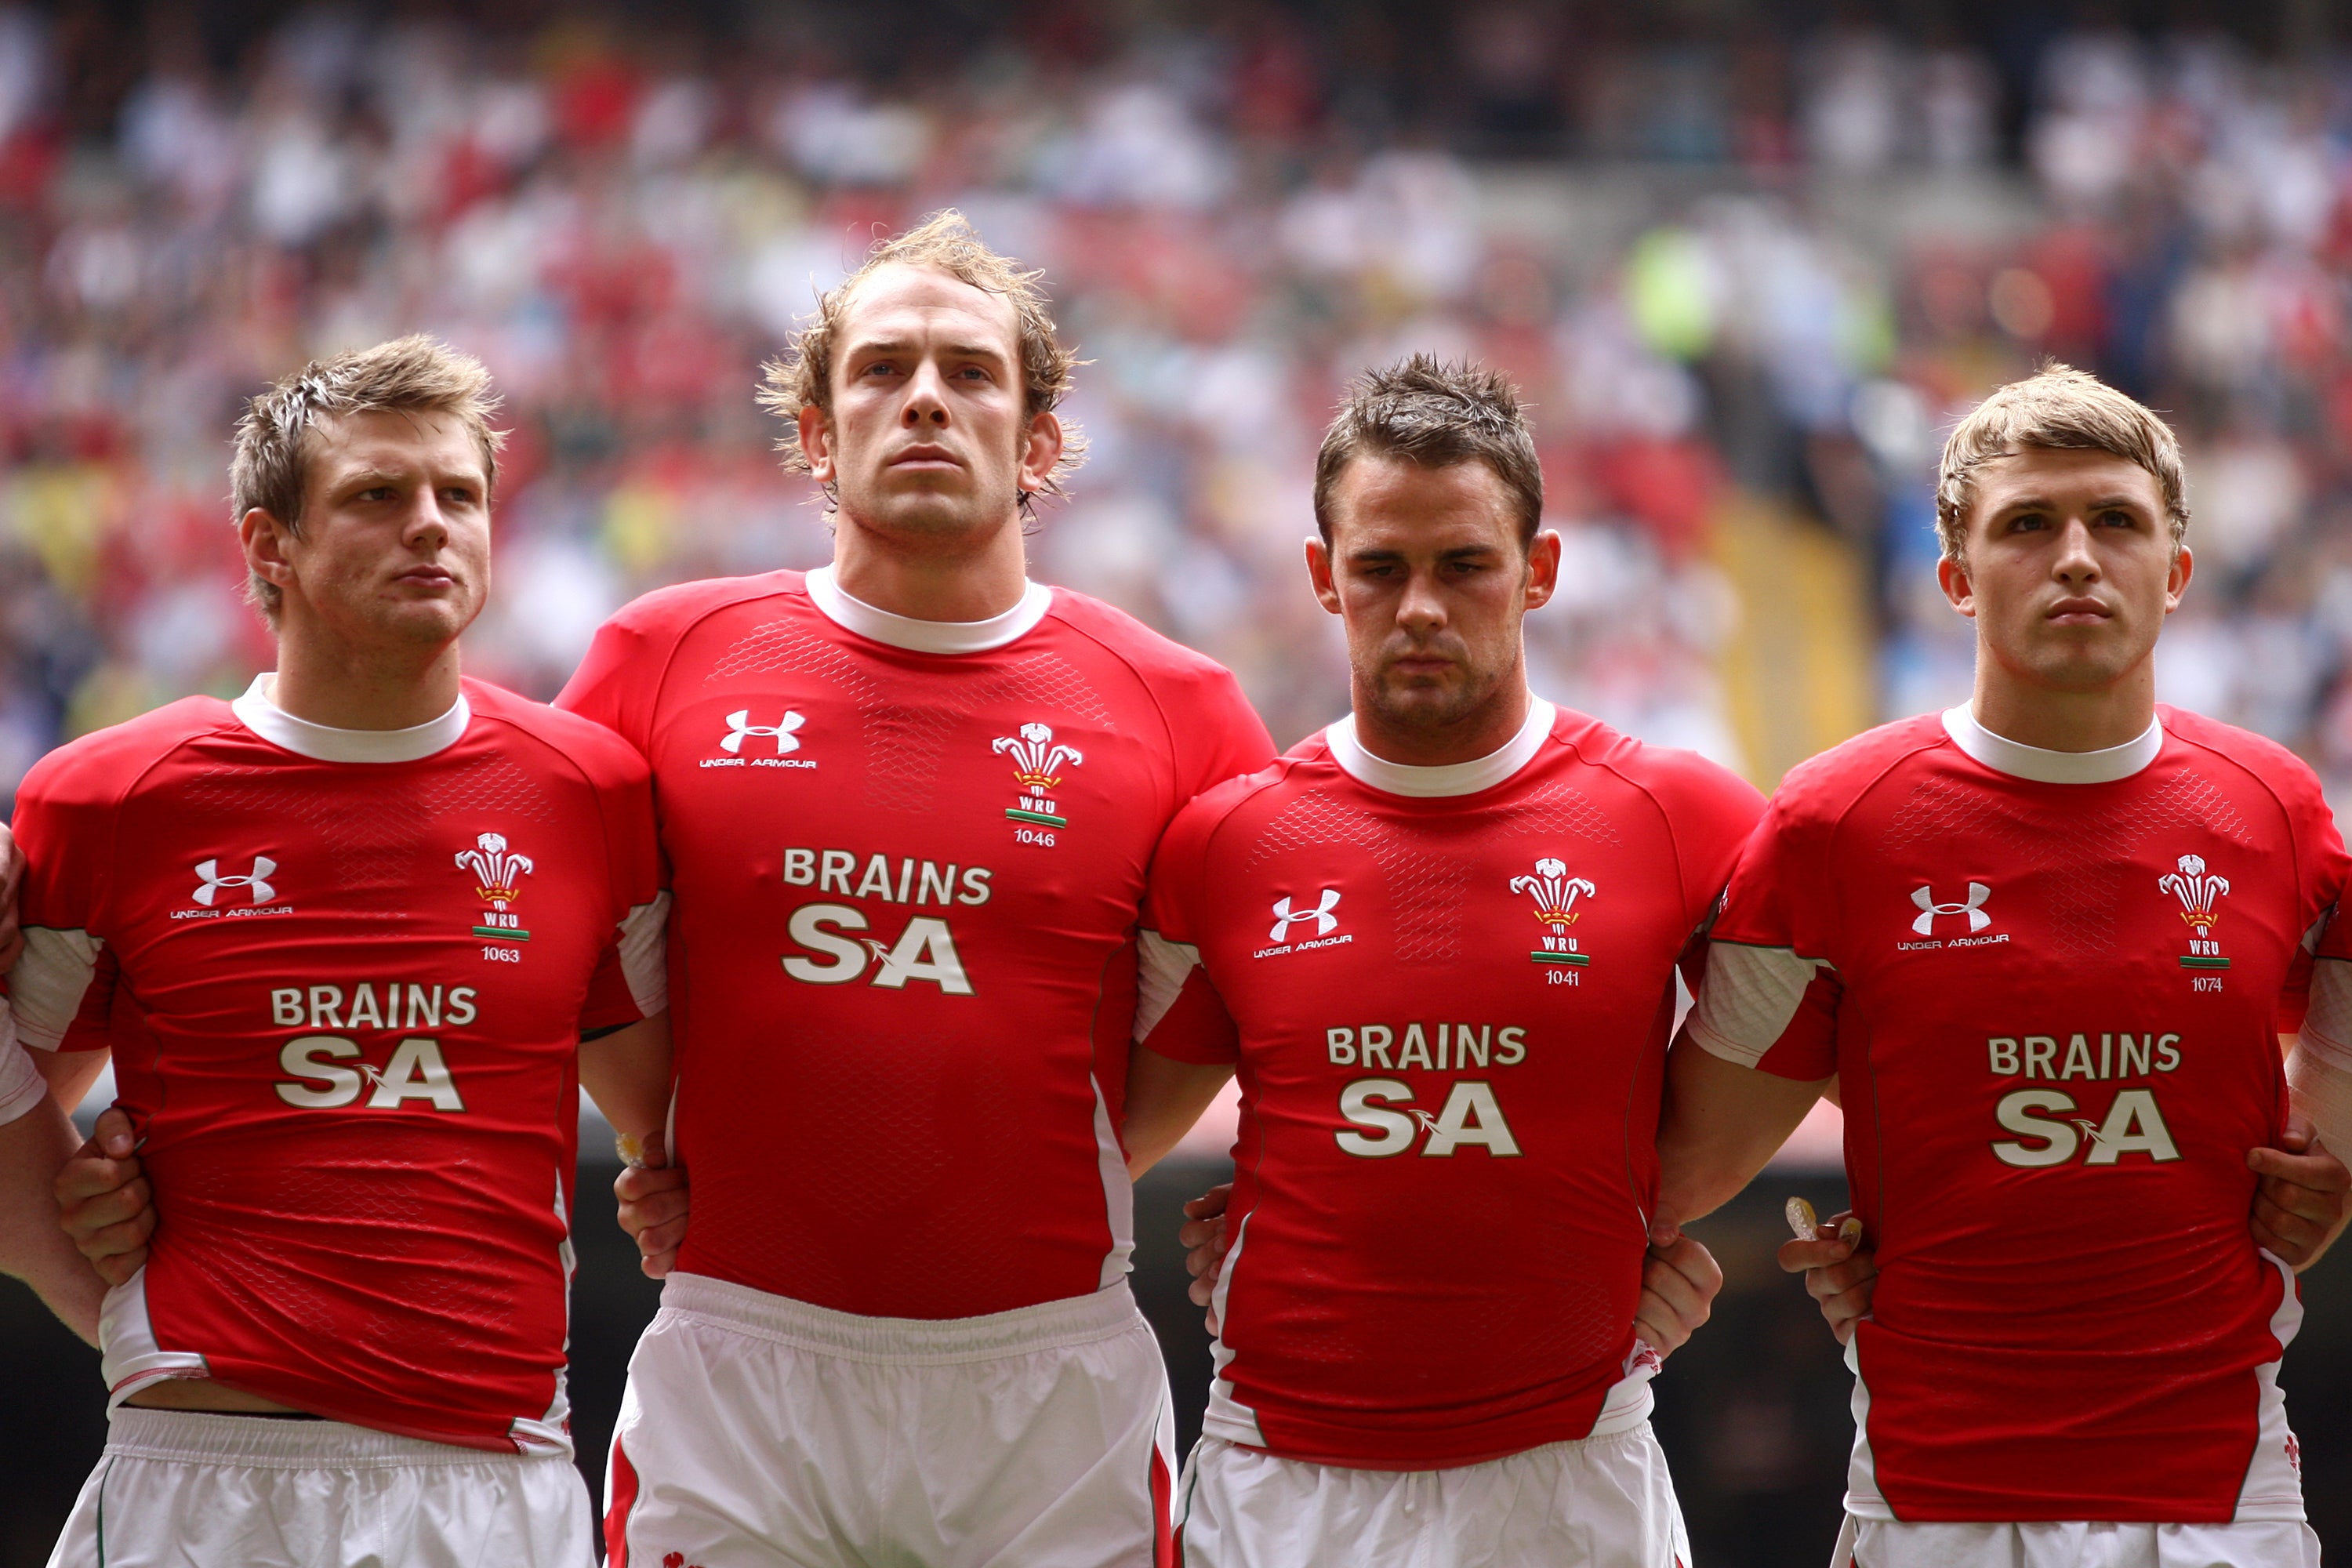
{"points": [[1760, 271]]}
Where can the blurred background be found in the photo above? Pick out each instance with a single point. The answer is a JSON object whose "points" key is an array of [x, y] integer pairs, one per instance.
{"points": [[1748, 260]]}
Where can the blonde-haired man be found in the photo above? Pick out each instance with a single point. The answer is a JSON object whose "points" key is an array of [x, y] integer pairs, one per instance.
{"points": [[351, 942], [2043, 943], [909, 801]]}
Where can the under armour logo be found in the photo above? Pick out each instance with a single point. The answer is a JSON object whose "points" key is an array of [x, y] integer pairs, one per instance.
{"points": [[1320, 914], [209, 889], [739, 725], [1929, 909]]}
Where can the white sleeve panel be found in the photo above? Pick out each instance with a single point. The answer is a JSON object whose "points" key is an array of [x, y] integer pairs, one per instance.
{"points": [[2328, 1014], [21, 1084], [49, 980], [644, 957], [1162, 966], [2319, 1085], [1748, 998]]}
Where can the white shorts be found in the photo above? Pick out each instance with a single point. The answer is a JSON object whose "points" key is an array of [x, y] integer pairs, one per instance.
{"points": [[2257, 1543], [180, 1488], [1601, 1502], [760, 1432]]}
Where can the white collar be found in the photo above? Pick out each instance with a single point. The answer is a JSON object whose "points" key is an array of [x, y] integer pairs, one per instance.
{"points": [[2007, 756], [928, 637], [321, 743], [1453, 778]]}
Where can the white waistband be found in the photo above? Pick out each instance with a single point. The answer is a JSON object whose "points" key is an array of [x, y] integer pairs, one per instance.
{"points": [[903, 1341], [280, 1444]]}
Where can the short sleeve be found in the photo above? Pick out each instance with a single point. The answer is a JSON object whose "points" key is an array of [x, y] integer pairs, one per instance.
{"points": [[616, 681], [1178, 1012], [2326, 1022], [1711, 812], [631, 980], [21, 1083], [1219, 736], [2324, 867], [61, 988], [1769, 999]]}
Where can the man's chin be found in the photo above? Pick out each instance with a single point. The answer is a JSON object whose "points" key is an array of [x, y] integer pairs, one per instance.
{"points": [[1422, 707]]}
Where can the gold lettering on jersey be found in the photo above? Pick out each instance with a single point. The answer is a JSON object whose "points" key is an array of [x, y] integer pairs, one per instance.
{"points": [[2049, 1133], [1441, 1048], [925, 951], [331, 1071], [905, 881], [1383, 1121], [2123, 1054]]}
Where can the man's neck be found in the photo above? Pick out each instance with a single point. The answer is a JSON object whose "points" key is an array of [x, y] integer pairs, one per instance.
{"points": [[1479, 734], [2055, 720], [328, 683], [926, 583]]}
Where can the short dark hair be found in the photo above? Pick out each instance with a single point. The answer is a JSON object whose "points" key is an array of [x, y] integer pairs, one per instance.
{"points": [[1436, 414]]}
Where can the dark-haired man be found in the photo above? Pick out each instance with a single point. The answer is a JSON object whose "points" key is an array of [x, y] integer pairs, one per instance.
{"points": [[909, 802], [2046, 942], [1439, 943]]}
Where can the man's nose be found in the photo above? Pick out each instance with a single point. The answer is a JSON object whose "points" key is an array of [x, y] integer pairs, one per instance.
{"points": [[926, 402], [2077, 561]]}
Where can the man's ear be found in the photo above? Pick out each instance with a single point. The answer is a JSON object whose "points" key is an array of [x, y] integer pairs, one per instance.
{"points": [[1041, 450], [1319, 572], [1543, 568], [2184, 565], [1952, 576], [816, 444], [264, 540]]}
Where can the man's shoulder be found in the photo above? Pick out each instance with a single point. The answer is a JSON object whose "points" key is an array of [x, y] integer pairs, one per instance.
{"points": [[670, 613], [2229, 748], [603, 757], [1820, 791], [1682, 783], [1157, 660], [107, 764], [1197, 830]]}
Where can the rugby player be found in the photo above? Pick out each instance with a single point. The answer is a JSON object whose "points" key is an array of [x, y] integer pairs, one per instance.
{"points": [[1439, 942], [352, 942], [909, 802], [2045, 943]]}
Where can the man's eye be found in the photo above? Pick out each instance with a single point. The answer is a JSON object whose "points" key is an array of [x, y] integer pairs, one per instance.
{"points": [[2119, 519], [2028, 522]]}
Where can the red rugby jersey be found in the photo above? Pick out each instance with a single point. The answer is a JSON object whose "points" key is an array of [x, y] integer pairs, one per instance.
{"points": [[908, 857], [343, 976], [1448, 992], [2050, 986]]}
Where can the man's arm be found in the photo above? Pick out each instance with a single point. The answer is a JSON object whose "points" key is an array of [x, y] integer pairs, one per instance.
{"points": [[1722, 1124], [627, 1073], [1164, 1099], [33, 1247]]}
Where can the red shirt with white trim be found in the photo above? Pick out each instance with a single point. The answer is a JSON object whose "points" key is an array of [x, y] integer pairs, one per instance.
{"points": [[1448, 993], [908, 857], [343, 976], [2050, 986]]}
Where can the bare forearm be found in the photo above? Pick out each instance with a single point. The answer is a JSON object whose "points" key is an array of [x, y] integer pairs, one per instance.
{"points": [[33, 1247], [1723, 1123], [627, 1074], [1164, 1099]]}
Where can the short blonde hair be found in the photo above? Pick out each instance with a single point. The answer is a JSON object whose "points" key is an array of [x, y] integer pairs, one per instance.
{"points": [[2063, 409], [271, 467], [802, 377]]}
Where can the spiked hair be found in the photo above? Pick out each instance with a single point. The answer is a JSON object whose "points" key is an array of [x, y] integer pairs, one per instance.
{"points": [[271, 467], [1435, 414]]}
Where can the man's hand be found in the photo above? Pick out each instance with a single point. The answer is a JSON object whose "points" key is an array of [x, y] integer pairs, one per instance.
{"points": [[2300, 1202], [653, 1207], [12, 877], [1203, 1235], [1679, 1282], [105, 1204], [1840, 1272]]}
